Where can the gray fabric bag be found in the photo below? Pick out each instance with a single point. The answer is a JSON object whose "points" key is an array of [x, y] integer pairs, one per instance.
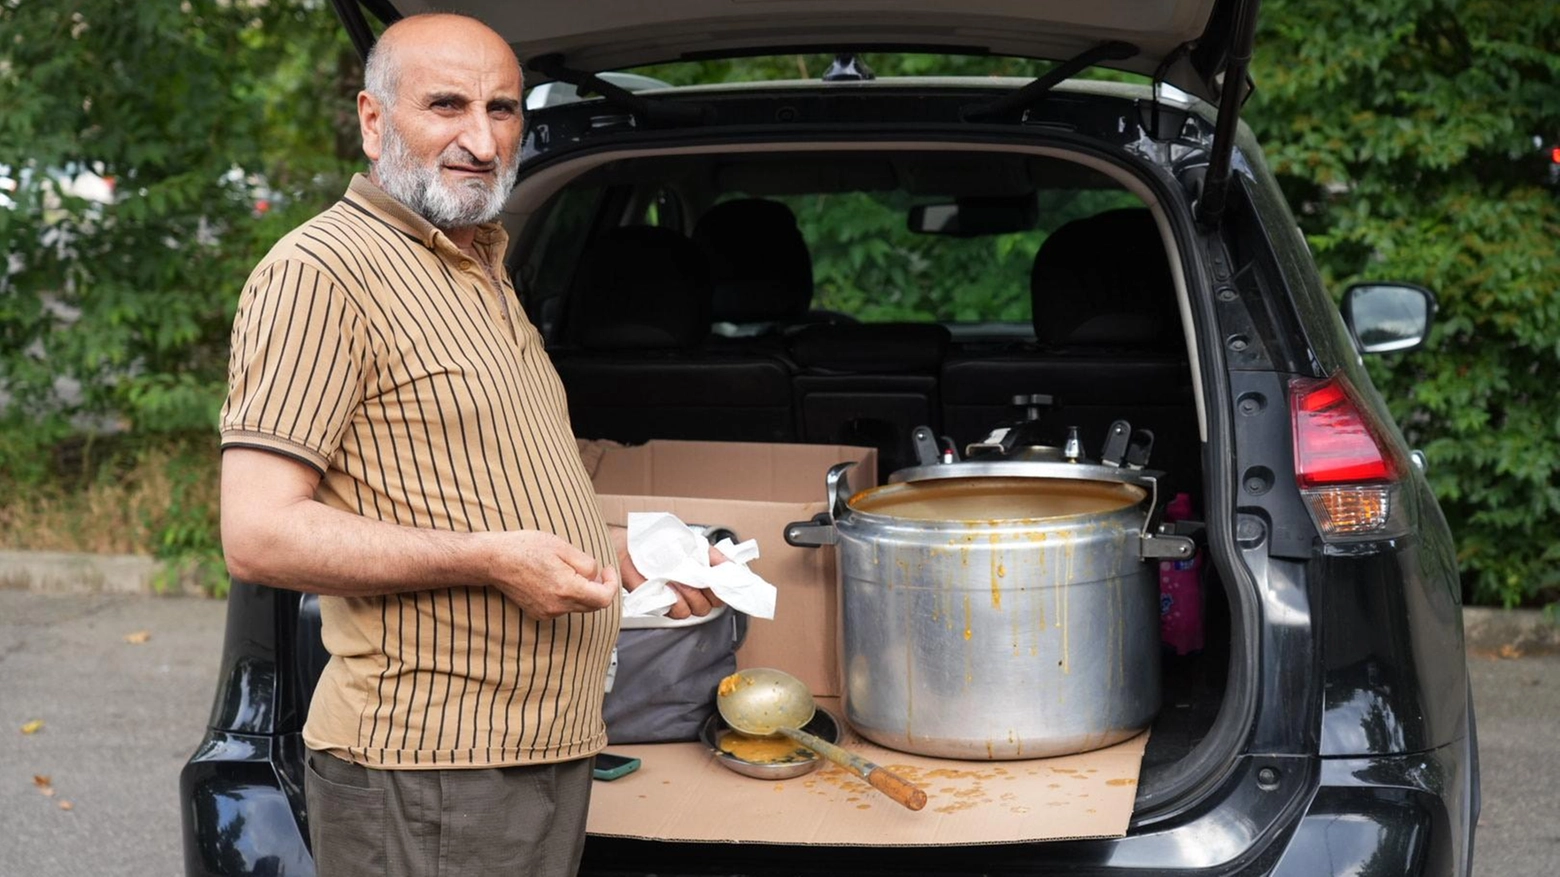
{"points": [[663, 685]]}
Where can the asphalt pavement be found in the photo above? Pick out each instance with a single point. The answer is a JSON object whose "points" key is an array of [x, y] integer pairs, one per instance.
{"points": [[1517, 704], [119, 718], [122, 686]]}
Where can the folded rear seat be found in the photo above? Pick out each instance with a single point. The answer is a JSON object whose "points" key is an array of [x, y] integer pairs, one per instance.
{"points": [[639, 369], [868, 384], [1108, 345]]}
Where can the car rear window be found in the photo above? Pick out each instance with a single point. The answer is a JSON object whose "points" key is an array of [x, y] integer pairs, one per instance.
{"points": [[869, 264]]}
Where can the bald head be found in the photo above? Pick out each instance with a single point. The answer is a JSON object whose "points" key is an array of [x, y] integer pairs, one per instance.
{"points": [[417, 35], [440, 115]]}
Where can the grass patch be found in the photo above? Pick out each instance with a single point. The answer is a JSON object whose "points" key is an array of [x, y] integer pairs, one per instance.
{"points": [[152, 496]]}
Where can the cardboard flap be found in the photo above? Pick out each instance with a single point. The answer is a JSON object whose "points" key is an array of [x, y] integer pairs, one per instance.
{"points": [[754, 490], [725, 470]]}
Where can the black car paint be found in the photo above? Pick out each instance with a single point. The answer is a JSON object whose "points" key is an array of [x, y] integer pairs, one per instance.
{"points": [[1348, 702]]}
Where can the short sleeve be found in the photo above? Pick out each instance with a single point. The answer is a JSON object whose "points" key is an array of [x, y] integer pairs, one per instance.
{"points": [[295, 372]]}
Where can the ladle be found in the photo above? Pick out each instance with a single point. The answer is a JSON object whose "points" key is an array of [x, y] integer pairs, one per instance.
{"points": [[763, 702]]}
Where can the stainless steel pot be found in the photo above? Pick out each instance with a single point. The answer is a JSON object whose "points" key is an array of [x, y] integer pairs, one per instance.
{"points": [[998, 610]]}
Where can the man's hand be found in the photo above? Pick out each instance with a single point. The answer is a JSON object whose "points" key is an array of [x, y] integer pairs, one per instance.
{"points": [[547, 576], [690, 600]]}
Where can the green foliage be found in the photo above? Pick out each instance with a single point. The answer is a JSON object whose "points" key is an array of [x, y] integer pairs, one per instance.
{"points": [[220, 123], [867, 263], [1403, 133], [1401, 130]]}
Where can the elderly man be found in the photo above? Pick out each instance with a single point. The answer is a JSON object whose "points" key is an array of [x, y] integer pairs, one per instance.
{"points": [[396, 440]]}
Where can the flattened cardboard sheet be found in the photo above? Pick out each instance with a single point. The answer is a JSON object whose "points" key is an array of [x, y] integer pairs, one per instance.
{"points": [[681, 793]]}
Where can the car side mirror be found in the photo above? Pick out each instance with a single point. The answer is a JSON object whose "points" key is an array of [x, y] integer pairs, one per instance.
{"points": [[1388, 317]]}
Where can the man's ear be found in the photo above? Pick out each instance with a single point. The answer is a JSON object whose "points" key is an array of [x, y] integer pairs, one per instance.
{"points": [[371, 119]]}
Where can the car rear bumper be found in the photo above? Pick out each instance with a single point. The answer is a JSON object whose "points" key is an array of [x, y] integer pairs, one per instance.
{"points": [[1394, 815], [241, 799]]}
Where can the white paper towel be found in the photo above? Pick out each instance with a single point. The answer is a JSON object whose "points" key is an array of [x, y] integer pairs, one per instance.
{"points": [[666, 550]]}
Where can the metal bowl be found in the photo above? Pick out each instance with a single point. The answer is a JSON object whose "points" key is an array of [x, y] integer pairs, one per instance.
{"points": [[823, 724]]}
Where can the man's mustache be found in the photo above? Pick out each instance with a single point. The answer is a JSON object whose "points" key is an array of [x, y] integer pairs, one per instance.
{"points": [[462, 156]]}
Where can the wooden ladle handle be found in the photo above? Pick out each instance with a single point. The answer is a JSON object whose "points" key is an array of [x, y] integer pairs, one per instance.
{"points": [[884, 780]]}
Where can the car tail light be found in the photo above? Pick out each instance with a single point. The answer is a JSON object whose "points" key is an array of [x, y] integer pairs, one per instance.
{"points": [[1344, 465]]}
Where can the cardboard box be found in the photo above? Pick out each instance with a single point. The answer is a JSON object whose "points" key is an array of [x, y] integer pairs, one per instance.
{"points": [[683, 794], [753, 489]]}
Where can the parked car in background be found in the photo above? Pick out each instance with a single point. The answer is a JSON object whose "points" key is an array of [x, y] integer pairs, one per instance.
{"points": [[878, 254]]}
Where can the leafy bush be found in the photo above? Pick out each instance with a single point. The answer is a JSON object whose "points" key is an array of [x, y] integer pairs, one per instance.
{"points": [[1403, 132], [218, 125]]}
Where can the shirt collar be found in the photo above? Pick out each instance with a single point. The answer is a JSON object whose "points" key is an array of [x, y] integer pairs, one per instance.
{"points": [[491, 239]]}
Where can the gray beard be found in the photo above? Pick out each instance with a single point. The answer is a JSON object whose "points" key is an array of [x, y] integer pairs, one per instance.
{"points": [[420, 187]]}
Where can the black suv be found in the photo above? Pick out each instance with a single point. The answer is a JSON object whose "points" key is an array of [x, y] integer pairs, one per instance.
{"points": [[1325, 728]]}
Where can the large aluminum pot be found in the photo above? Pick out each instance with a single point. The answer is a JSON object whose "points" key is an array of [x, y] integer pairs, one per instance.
{"points": [[998, 610]]}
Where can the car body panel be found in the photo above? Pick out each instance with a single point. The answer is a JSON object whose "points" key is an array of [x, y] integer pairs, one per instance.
{"points": [[597, 36], [1345, 737]]}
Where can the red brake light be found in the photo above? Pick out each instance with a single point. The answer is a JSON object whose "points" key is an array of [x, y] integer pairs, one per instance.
{"points": [[1334, 442], [1554, 155]]}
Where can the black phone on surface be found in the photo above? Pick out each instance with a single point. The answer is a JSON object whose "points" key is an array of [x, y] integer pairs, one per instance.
{"points": [[610, 767]]}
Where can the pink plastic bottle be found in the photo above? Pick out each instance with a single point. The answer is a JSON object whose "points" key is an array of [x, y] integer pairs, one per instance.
{"points": [[1180, 591]]}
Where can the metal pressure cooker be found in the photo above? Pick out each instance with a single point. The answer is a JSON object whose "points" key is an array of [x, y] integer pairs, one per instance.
{"points": [[998, 608]]}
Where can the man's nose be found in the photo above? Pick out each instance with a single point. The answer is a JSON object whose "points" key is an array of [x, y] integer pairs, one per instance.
{"points": [[477, 136]]}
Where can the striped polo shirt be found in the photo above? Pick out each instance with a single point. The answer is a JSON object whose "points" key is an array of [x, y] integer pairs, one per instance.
{"points": [[369, 347]]}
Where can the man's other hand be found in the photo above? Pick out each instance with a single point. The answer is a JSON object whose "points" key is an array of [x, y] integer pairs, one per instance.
{"points": [[690, 600]]}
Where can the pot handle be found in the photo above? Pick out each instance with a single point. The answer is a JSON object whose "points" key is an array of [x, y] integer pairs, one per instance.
{"points": [[815, 533], [819, 531], [1154, 541], [838, 489]]}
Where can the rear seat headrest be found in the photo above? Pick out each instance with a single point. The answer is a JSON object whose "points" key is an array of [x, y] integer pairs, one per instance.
{"points": [[871, 348], [1104, 281], [642, 287], [759, 263]]}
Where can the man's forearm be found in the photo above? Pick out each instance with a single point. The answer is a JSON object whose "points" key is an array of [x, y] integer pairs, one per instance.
{"points": [[308, 546]]}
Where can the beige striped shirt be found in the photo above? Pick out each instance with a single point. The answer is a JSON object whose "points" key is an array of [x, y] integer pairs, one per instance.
{"points": [[369, 347]]}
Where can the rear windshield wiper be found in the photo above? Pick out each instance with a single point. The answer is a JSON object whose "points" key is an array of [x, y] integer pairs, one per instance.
{"points": [[655, 113], [1036, 91]]}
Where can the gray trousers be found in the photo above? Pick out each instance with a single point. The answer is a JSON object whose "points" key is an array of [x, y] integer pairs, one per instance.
{"points": [[446, 823]]}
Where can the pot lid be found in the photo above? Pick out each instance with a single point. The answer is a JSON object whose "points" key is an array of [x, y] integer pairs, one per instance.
{"points": [[1193, 36], [1003, 468], [994, 500]]}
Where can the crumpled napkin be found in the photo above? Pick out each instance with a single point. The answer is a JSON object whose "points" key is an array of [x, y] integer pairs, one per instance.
{"points": [[666, 550]]}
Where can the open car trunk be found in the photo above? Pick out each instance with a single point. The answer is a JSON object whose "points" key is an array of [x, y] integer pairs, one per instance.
{"points": [[851, 317]]}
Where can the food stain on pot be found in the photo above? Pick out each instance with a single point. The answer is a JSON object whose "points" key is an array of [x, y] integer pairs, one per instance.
{"points": [[998, 571]]}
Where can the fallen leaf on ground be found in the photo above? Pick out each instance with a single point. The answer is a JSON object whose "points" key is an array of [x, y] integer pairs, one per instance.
{"points": [[138, 637], [33, 726], [66, 805], [1510, 651], [44, 784]]}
